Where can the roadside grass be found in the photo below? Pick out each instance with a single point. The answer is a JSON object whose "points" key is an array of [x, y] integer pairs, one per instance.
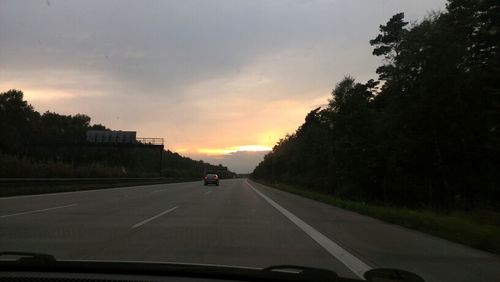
{"points": [[18, 167], [461, 227]]}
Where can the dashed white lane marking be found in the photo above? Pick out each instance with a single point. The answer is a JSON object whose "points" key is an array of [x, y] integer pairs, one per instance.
{"points": [[36, 211], [153, 217], [208, 192], [353, 263]]}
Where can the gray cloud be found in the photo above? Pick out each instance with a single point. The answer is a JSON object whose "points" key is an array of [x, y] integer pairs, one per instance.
{"points": [[156, 44]]}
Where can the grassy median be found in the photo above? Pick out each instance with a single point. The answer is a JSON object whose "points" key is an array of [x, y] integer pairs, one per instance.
{"points": [[477, 229]]}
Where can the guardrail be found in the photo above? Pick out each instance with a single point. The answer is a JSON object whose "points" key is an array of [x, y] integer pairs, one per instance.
{"points": [[84, 180], [30, 186]]}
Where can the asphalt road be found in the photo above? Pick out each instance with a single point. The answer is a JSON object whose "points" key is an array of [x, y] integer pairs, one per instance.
{"points": [[238, 223]]}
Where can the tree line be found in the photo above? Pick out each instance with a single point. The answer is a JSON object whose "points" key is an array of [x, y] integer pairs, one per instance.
{"points": [[26, 151], [426, 133]]}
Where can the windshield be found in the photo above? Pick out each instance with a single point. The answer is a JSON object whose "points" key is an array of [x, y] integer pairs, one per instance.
{"points": [[345, 135]]}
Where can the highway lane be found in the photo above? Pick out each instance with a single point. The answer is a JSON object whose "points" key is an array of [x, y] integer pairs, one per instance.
{"points": [[232, 224]]}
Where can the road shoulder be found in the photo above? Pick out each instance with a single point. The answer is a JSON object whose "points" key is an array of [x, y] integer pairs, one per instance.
{"points": [[388, 245]]}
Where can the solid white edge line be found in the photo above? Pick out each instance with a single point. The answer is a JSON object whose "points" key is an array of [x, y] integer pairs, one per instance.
{"points": [[35, 211], [153, 217], [353, 263]]}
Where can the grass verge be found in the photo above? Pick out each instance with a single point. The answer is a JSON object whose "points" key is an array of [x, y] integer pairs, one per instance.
{"points": [[458, 227]]}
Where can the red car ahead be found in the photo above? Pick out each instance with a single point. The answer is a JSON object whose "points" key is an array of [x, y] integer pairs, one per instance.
{"points": [[211, 178]]}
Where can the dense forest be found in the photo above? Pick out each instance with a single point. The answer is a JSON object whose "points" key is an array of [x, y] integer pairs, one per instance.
{"points": [[37, 145], [425, 134]]}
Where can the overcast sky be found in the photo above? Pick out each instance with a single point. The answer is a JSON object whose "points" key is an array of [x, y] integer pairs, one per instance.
{"points": [[217, 79]]}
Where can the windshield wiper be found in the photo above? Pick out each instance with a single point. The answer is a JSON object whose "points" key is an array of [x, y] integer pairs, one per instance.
{"points": [[304, 273], [30, 261], [29, 257]]}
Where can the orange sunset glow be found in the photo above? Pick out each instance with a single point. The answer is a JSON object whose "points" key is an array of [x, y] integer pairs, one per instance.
{"points": [[223, 151]]}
